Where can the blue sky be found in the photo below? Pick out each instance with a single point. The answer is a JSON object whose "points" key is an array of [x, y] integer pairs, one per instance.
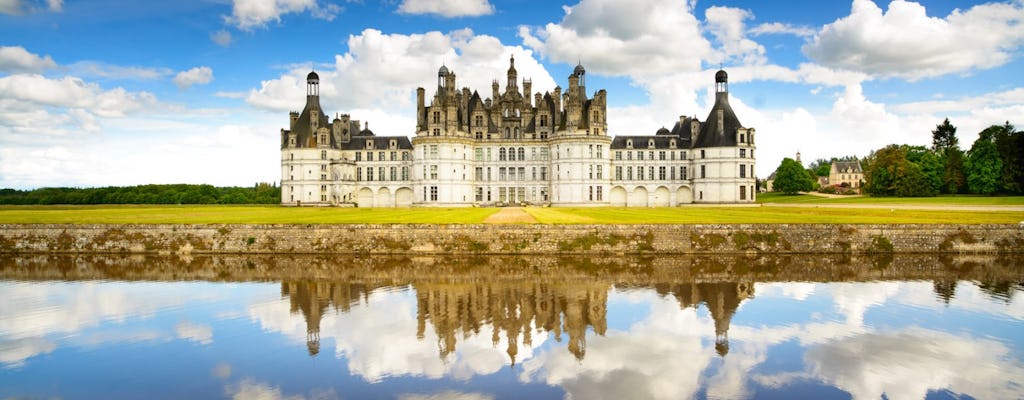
{"points": [[112, 92]]}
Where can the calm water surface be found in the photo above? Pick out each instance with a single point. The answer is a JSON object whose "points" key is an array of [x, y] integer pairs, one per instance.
{"points": [[908, 327]]}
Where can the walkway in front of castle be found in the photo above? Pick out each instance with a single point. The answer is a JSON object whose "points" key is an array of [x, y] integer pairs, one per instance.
{"points": [[510, 215]]}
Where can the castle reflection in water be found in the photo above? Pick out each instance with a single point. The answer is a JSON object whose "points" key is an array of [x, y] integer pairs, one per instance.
{"points": [[514, 309]]}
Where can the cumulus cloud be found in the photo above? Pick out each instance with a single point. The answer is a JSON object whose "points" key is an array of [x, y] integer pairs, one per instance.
{"points": [[17, 59], [905, 42], [73, 92], [96, 69], [640, 38], [199, 333], [778, 28], [447, 8], [222, 38], [380, 72], [447, 395], [249, 14], [194, 76], [727, 25], [21, 7]]}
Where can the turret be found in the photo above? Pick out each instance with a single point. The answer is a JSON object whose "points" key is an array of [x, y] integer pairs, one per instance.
{"points": [[527, 87], [511, 74], [292, 117]]}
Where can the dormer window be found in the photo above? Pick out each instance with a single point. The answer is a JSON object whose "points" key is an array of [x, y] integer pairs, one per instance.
{"points": [[672, 144], [650, 143], [392, 144], [369, 144], [629, 144]]}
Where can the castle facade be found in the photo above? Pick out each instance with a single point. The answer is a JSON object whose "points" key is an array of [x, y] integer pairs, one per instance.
{"points": [[515, 147]]}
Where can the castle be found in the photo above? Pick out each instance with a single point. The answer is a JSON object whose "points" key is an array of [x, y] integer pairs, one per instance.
{"points": [[515, 147]]}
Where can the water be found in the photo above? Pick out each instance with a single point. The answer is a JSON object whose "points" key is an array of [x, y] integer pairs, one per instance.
{"points": [[905, 327]]}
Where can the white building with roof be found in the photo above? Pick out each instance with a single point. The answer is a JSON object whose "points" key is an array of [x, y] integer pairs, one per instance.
{"points": [[515, 147]]}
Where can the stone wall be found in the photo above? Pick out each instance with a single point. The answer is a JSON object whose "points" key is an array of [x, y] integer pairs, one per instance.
{"points": [[513, 239]]}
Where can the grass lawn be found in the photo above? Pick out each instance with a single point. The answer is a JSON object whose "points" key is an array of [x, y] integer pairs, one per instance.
{"points": [[201, 214], [954, 200], [767, 215], [118, 214]]}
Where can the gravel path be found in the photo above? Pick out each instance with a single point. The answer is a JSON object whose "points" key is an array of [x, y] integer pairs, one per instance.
{"points": [[510, 215]]}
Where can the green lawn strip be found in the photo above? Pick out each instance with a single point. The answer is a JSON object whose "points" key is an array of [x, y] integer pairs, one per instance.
{"points": [[953, 200], [237, 215], [767, 215]]}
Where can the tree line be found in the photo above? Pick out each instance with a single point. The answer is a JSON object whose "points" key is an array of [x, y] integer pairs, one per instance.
{"points": [[260, 193], [993, 165]]}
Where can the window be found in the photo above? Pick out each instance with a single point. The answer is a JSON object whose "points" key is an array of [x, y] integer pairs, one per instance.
{"points": [[661, 155], [661, 173], [743, 153], [433, 172], [743, 171], [323, 167], [323, 177], [359, 173], [433, 152], [618, 173], [590, 193], [380, 173], [437, 132], [682, 175], [743, 192], [522, 173], [702, 154], [433, 193], [543, 153], [650, 144], [743, 139], [323, 154], [369, 156], [437, 117], [501, 154], [533, 174], [629, 155], [394, 156], [543, 173], [369, 174], [479, 119], [590, 172], [672, 173], [479, 174], [629, 144], [501, 174], [478, 154], [600, 172], [600, 151], [591, 150], [405, 156], [479, 194], [650, 155], [479, 135], [600, 196], [618, 155], [629, 173], [650, 173], [380, 156], [702, 172], [543, 120], [405, 173], [394, 173], [640, 155], [522, 154]]}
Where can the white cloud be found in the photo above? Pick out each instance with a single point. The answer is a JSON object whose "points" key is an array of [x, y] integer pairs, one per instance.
{"points": [[905, 42], [249, 14], [778, 28], [95, 69], [222, 38], [199, 333], [727, 26], [73, 92], [248, 389], [375, 80], [447, 8], [636, 38], [194, 76], [446, 395], [17, 59], [20, 7]]}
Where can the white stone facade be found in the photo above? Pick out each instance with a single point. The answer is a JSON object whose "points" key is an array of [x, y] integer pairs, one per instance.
{"points": [[514, 148]]}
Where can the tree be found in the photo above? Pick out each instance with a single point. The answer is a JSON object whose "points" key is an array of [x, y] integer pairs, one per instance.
{"points": [[944, 137], [953, 178], [790, 178], [983, 166], [931, 166], [1010, 145], [890, 173], [821, 167]]}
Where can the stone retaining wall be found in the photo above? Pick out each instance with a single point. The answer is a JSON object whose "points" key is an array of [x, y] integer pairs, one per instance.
{"points": [[512, 239]]}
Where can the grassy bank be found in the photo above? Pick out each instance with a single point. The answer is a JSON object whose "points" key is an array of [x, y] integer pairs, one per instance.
{"points": [[949, 200], [199, 214], [554, 215]]}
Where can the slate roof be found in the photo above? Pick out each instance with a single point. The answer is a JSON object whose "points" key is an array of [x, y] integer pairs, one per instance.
{"points": [[379, 143], [853, 166], [709, 136], [640, 142]]}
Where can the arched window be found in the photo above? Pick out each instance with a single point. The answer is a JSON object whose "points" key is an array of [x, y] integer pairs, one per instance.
{"points": [[507, 132], [516, 130], [501, 154], [522, 154]]}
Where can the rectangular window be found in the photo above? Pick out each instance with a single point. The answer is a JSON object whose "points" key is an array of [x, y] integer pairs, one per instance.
{"points": [[323, 167], [522, 173], [590, 193], [501, 174], [590, 172], [640, 155], [479, 194], [369, 156], [369, 174], [600, 151], [650, 173], [629, 173], [380, 156], [433, 172], [405, 173], [650, 155], [600, 172], [618, 173], [702, 154], [394, 156], [433, 193], [479, 154], [672, 172], [591, 150], [533, 173], [323, 177], [394, 173], [543, 173], [488, 154], [479, 175], [359, 173], [600, 196], [405, 156], [702, 172], [743, 171], [359, 156], [661, 173], [618, 155], [323, 154], [380, 173], [682, 175], [743, 192], [743, 153], [661, 155], [433, 152]]}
